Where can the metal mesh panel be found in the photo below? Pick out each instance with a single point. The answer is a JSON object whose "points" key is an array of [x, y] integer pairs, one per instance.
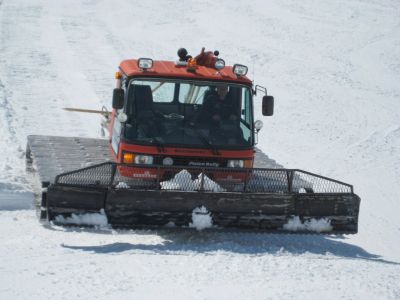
{"points": [[202, 179], [304, 182], [268, 181], [134, 177], [98, 175], [176, 178], [223, 180]]}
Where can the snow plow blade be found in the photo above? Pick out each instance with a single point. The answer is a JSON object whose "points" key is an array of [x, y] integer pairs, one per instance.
{"points": [[264, 199]]}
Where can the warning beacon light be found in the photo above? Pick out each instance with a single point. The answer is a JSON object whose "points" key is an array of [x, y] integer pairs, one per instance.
{"points": [[219, 64]]}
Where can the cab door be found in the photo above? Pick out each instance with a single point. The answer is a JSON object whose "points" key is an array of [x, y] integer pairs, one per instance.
{"points": [[116, 126]]}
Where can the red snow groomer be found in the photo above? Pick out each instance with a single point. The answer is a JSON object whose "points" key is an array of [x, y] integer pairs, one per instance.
{"points": [[182, 137]]}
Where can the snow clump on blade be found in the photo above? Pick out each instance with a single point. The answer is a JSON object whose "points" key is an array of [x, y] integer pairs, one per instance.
{"points": [[122, 185], [321, 225], [201, 218], [183, 181], [294, 224], [95, 219], [208, 184]]}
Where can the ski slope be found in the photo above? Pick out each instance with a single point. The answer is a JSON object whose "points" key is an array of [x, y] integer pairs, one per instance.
{"points": [[334, 69]]}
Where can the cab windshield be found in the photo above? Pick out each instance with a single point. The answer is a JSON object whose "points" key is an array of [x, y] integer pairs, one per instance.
{"points": [[189, 113]]}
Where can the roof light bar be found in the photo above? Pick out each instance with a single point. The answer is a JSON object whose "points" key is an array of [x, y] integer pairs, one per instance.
{"points": [[240, 70], [145, 63], [192, 65]]}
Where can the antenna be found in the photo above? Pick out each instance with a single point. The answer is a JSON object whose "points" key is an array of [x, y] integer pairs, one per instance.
{"points": [[253, 67]]}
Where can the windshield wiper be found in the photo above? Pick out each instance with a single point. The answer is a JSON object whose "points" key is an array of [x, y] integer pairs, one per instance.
{"points": [[159, 143], [207, 142]]}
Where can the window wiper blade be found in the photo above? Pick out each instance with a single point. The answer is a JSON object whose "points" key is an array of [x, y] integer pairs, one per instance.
{"points": [[207, 142], [159, 143]]}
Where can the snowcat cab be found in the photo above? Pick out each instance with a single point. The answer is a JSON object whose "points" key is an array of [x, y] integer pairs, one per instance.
{"points": [[182, 139]]}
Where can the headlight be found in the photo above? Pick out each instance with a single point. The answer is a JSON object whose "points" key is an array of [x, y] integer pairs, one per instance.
{"points": [[219, 64], [143, 159], [168, 161], [240, 70], [235, 163], [145, 63]]}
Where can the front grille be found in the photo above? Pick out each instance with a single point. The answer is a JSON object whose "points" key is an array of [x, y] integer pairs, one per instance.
{"points": [[194, 161]]}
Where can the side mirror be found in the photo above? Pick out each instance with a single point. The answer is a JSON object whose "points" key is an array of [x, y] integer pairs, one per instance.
{"points": [[268, 105], [118, 98]]}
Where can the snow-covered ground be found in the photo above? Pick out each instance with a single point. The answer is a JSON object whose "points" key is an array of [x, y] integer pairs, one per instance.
{"points": [[334, 69]]}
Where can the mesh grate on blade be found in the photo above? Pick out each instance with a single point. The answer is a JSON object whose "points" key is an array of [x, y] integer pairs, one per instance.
{"points": [[97, 175], [202, 179]]}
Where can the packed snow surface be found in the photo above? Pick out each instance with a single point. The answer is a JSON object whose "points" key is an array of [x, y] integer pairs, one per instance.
{"points": [[334, 70], [201, 218]]}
